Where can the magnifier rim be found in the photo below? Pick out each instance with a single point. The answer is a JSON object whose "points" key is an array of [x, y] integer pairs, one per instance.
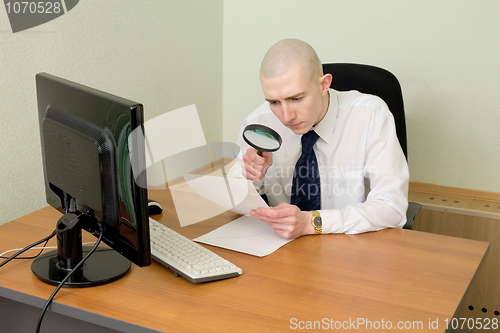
{"points": [[265, 129]]}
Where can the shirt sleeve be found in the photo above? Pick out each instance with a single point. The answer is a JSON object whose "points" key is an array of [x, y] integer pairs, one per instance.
{"points": [[386, 170]]}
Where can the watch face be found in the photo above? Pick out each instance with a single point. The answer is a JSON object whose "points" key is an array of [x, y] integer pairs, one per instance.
{"points": [[317, 221]]}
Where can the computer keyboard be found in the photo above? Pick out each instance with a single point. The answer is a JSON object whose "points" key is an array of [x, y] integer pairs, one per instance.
{"points": [[187, 258]]}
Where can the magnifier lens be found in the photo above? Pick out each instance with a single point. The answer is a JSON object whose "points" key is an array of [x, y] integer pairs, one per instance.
{"points": [[262, 138]]}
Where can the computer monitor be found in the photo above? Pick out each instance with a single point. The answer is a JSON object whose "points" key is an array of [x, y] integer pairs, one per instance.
{"points": [[87, 156]]}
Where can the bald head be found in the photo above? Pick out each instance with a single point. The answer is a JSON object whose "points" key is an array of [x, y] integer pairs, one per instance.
{"points": [[287, 53]]}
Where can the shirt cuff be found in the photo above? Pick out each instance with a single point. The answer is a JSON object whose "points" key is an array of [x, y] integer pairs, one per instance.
{"points": [[332, 222], [259, 186]]}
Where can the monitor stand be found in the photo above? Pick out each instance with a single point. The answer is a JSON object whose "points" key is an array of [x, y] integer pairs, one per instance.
{"points": [[103, 266]]}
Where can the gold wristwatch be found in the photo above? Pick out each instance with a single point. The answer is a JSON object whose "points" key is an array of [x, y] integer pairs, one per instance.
{"points": [[316, 222]]}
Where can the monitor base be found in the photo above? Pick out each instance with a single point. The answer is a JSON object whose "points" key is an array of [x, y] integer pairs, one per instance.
{"points": [[103, 266]]}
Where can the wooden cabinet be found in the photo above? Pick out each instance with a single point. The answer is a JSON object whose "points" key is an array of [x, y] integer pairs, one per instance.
{"points": [[472, 219]]}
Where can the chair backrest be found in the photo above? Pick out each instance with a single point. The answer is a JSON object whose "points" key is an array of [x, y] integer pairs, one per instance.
{"points": [[375, 81]]}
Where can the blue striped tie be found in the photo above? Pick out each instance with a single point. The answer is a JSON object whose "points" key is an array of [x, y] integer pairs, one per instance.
{"points": [[306, 191]]}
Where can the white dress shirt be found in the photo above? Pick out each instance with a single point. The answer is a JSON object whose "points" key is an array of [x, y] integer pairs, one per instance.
{"points": [[364, 173]]}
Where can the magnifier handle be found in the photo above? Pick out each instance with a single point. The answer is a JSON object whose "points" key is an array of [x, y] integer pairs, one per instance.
{"points": [[259, 152]]}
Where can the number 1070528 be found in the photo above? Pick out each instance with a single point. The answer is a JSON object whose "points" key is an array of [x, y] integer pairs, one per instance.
{"points": [[472, 323], [32, 7]]}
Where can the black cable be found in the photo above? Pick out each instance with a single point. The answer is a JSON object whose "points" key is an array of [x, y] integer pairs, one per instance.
{"points": [[66, 279], [46, 239], [32, 257]]}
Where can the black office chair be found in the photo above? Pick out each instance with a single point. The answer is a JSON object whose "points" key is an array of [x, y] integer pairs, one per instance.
{"points": [[382, 83]]}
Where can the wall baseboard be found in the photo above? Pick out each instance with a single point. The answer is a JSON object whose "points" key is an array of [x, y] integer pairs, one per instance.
{"points": [[454, 191]]}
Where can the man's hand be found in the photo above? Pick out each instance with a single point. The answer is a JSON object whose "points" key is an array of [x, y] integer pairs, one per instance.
{"points": [[287, 220], [255, 166]]}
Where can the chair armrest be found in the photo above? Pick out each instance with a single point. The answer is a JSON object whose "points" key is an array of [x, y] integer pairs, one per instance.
{"points": [[411, 214]]}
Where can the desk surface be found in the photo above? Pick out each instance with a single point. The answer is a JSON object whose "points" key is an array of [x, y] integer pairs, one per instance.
{"points": [[398, 276]]}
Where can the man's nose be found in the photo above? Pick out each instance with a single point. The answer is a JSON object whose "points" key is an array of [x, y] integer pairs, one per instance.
{"points": [[288, 112]]}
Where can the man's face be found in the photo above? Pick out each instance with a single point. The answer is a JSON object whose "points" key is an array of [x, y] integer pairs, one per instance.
{"points": [[296, 99]]}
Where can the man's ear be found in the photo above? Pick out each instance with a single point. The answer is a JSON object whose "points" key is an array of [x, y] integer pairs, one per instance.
{"points": [[325, 82]]}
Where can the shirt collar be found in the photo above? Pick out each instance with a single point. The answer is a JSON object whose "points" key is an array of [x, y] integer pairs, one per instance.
{"points": [[326, 126]]}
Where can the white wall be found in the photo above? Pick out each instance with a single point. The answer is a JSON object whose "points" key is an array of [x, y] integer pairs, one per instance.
{"points": [[445, 53], [165, 54]]}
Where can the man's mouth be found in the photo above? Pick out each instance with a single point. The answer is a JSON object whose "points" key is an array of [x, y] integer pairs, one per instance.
{"points": [[294, 125]]}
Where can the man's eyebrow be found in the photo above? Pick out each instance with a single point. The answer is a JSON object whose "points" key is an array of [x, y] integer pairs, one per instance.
{"points": [[297, 95], [301, 94]]}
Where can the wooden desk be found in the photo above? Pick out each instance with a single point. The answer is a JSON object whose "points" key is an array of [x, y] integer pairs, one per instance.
{"points": [[407, 278]]}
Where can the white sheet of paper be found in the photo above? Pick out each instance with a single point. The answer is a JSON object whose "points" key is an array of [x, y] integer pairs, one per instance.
{"points": [[237, 195], [246, 234]]}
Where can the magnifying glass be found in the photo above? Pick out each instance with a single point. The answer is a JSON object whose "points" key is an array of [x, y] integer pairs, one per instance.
{"points": [[262, 138]]}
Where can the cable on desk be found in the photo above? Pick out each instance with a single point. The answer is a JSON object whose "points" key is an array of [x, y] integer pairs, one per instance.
{"points": [[46, 239], [44, 247], [66, 279], [2, 256]]}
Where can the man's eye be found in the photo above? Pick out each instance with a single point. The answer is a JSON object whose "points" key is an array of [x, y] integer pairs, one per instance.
{"points": [[296, 99]]}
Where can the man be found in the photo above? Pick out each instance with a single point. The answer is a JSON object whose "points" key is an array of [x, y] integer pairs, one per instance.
{"points": [[363, 173]]}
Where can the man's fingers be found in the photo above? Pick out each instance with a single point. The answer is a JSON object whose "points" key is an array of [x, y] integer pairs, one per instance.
{"points": [[275, 215], [281, 205], [281, 211], [250, 173], [254, 166]]}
